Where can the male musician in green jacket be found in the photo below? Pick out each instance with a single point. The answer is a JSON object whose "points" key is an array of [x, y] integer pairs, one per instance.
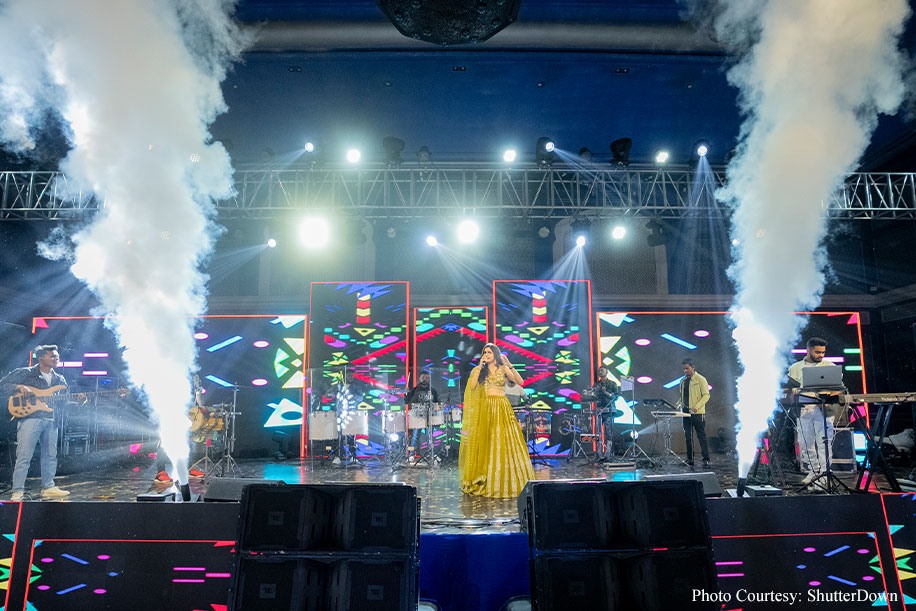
{"points": [[694, 393]]}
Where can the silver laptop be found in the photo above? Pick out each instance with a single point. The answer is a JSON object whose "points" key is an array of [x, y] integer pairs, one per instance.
{"points": [[826, 376]]}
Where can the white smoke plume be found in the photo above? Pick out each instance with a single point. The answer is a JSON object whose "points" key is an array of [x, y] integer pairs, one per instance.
{"points": [[136, 83], [813, 77]]}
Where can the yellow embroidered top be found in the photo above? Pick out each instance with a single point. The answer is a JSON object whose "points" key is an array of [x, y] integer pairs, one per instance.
{"points": [[495, 380]]}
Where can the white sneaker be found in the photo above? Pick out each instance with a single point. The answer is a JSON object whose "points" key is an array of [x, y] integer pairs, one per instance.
{"points": [[54, 493], [808, 478], [18, 496]]}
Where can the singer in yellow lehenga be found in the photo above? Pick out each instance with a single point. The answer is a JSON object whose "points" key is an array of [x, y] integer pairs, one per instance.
{"points": [[493, 459]]}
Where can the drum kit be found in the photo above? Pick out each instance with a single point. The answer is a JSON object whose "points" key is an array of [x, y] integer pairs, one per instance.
{"points": [[214, 426]]}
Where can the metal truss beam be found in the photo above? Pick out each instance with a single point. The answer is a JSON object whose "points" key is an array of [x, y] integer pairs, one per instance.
{"points": [[451, 190]]}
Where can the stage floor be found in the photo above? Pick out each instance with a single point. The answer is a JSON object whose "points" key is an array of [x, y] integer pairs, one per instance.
{"points": [[444, 507]]}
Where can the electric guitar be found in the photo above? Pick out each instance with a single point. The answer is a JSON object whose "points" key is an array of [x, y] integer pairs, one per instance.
{"points": [[22, 404]]}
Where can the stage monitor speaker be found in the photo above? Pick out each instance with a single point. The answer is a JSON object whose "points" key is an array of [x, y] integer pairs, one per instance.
{"points": [[668, 580], [655, 581], [614, 516], [708, 479], [276, 582], [575, 581], [229, 489], [350, 518]]}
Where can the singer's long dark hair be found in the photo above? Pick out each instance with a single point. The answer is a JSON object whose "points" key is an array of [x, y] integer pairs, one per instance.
{"points": [[497, 360]]}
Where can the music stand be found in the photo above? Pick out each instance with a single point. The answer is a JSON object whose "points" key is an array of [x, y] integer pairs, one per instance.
{"points": [[831, 484]]}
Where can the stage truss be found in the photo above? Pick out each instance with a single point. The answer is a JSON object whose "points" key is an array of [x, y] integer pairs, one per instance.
{"points": [[448, 190]]}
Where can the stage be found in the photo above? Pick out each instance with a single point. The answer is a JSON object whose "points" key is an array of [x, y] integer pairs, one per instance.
{"points": [[473, 554]]}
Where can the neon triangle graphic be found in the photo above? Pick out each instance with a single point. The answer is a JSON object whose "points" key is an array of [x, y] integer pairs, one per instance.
{"points": [[615, 319], [608, 342], [538, 330], [364, 331]]}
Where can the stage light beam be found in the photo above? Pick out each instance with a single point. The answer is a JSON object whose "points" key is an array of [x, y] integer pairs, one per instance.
{"points": [[468, 230], [618, 232], [354, 155], [314, 232]]}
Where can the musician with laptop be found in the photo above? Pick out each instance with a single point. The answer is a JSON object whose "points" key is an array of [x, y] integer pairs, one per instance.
{"points": [[693, 396], [810, 419], [39, 426]]}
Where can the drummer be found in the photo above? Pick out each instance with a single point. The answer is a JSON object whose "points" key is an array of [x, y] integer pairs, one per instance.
{"points": [[422, 395]]}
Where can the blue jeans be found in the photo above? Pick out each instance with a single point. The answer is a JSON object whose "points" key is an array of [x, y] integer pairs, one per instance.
{"points": [[30, 432]]}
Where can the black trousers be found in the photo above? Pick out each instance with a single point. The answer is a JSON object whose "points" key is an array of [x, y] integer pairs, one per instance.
{"points": [[696, 422]]}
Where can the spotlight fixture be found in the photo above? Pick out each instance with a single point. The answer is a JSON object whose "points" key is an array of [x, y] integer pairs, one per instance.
{"points": [[701, 148], [656, 235], [544, 231], [468, 230], [618, 232], [661, 157], [314, 232], [424, 156], [353, 155], [509, 155], [544, 153], [393, 149], [580, 229], [271, 243], [620, 149], [585, 154], [431, 240], [392, 233], [309, 147]]}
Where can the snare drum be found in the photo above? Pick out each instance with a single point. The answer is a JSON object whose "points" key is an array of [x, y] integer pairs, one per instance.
{"points": [[322, 426]]}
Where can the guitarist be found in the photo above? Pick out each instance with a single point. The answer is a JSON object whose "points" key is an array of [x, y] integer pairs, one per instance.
{"points": [[38, 427]]}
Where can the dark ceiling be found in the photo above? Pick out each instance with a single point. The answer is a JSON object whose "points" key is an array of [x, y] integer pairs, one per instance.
{"points": [[583, 73]]}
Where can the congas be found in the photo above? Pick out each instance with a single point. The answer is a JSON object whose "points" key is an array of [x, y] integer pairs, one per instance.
{"points": [[437, 414], [394, 422], [354, 423], [417, 416], [322, 426]]}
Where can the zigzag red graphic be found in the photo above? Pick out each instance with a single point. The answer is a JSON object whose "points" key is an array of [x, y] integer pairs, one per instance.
{"points": [[474, 334], [378, 353], [537, 357], [429, 334]]}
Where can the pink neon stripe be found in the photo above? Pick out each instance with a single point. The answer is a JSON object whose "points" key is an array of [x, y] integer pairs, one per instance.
{"points": [[189, 580], [730, 575], [189, 568], [730, 562], [227, 575]]}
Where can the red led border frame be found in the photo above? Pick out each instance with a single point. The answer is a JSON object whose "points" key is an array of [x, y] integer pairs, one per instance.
{"points": [[6, 600], [303, 436], [305, 321], [591, 345], [28, 583], [858, 316]]}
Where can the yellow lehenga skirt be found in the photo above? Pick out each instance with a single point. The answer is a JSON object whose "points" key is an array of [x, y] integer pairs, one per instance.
{"points": [[492, 459]]}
